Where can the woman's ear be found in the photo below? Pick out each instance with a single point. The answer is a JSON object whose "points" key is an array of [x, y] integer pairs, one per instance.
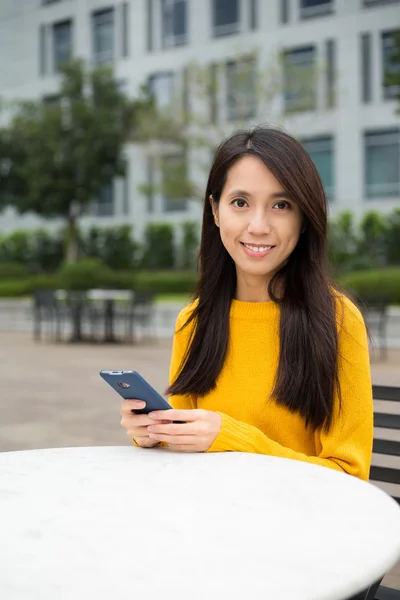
{"points": [[214, 208]]}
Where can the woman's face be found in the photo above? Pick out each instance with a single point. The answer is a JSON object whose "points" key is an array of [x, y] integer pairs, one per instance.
{"points": [[259, 224]]}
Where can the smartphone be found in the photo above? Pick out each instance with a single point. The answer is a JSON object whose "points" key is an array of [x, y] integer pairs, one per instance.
{"points": [[130, 385]]}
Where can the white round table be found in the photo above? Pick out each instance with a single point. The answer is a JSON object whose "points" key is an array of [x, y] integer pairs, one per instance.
{"points": [[123, 522]]}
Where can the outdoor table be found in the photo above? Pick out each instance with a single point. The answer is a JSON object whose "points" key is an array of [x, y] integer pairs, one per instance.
{"points": [[125, 522], [109, 297]]}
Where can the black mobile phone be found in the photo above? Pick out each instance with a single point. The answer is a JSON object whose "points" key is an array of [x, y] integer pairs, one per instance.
{"points": [[131, 385]]}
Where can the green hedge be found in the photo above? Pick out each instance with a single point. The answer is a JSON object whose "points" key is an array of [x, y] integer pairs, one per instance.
{"points": [[89, 276], [380, 282]]}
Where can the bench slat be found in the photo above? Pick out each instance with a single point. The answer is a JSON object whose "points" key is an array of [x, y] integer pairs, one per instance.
{"points": [[387, 421], [385, 474], [386, 447]]}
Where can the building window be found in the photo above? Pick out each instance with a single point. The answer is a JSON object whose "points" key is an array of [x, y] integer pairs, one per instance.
{"points": [[104, 205], [44, 2], [382, 164], [62, 44], [253, 20], [150, 24], [225, 17], [52, 100], [103, 36], [300, 79], [379, 2], [330, 73], [174, 23], [161, 86], [366, 82], [241, 89], [42, 50], [391, 64], [321, 152], [125, 30], [315, 8], [284, 11], [173, 170]]}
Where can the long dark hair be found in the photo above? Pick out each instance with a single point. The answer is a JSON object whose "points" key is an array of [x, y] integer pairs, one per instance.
{"points": [[307, 375]]}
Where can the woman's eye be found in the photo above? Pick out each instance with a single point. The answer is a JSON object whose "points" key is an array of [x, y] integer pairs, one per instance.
{"points": [[282, 204], [239, 202]]}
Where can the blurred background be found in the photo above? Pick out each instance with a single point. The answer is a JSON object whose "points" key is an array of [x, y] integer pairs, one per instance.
{"points": [[110, 113]]}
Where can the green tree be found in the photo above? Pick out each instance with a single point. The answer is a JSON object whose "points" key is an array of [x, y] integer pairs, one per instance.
{"points": [[373, 239], [57, 157]]}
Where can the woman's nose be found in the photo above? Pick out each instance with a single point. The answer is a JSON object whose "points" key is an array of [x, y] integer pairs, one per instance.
{"points": [[259, 225]]}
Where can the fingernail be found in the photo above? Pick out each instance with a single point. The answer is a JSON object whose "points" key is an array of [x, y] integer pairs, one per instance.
{"points": [[140, 404]]}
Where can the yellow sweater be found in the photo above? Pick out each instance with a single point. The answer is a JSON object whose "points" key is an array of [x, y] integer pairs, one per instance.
{"points": [[252, 423]]}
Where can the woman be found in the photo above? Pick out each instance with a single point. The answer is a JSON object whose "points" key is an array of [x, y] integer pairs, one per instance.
{"points": [[270, 358]]}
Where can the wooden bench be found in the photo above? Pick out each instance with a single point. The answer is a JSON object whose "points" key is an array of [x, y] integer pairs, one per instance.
{"points": [[385, 468]]}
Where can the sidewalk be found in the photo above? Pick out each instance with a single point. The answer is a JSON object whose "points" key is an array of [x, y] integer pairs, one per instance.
{"points": [[52, 395]]}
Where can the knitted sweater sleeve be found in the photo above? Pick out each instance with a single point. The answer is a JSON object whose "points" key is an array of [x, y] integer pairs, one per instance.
{"points": [[347, 446]]}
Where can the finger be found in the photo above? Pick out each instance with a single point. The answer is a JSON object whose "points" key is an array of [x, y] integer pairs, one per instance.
{"points": [[189, 440], [176, 415], [130, 421], [145, 442], [128, 405], [168, 428]]}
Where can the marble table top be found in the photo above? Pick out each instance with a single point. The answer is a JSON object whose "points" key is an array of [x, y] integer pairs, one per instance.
{"points": [[112, 523]]}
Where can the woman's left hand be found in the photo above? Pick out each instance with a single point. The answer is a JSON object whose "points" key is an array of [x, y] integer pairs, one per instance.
{"points": [[196, 434]]}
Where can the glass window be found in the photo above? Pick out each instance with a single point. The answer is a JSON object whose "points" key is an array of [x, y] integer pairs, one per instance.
{"points": [[174, 22], [330, 73], [104, 206], [225, 17], [253, 14], [382, 164], [379, 2], [284, 11], [103, 36], [62, 43], [314, 8], [150, 8], [366, 67], [161, 86], [391, 64], [42, 50], [300, 79], [241, 89], [125, 30], [322, 155]]}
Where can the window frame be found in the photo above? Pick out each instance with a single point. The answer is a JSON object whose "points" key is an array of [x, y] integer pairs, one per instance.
{"points": [[329, 140], [57, 27], [381, 133], [227, 28], [97, 14]]}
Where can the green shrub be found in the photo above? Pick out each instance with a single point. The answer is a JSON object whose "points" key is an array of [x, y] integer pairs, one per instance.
{"points": [[379, 282], [85, 274], [113, 245], [12, 270], [15, 288], [159, 252], [165, 282], [393, 238], [190, 245]]}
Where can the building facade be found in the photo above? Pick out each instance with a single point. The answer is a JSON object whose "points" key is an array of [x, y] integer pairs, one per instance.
{"points": [[345, 115]]}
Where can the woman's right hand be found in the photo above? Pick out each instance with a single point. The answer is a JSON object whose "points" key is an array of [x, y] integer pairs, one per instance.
{"points": [[136, 425]]}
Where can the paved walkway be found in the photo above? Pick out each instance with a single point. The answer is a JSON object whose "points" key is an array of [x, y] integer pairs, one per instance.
{"points": [[52, 396]]}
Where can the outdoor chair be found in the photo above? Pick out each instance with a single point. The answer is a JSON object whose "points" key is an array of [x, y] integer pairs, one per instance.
{"points": [[138, 314], [48, 309]]}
